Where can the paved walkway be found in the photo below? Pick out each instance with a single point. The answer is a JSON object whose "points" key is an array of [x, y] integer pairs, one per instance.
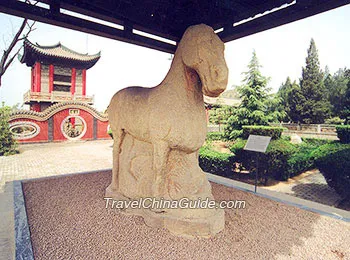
{"points": [[40, 160], [310, 185]]}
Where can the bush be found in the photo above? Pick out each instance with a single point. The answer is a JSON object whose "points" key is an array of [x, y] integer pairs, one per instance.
{"points": [[335, 121], [301, 160], [110, 133], [7, 142], [215, 162], [327, 149], [272, 164], [233, 134], [335, 167], [315, 142], [343, 132], [274, 132], [214, 136]]}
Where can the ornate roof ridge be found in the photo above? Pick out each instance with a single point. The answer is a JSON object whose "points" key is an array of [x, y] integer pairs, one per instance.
{"points": [[60, 45], [53, 109], [58, 54]]}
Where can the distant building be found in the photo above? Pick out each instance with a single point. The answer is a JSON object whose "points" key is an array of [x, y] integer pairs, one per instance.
{"points": [[59, 107], [58, 74]]}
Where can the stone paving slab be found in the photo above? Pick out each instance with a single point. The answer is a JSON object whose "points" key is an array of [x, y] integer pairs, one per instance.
{"points": [[310, 185], [49, 159]]}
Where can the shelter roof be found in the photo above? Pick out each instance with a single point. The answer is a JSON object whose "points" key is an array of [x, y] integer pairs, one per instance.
{"points": [[133, 20]]}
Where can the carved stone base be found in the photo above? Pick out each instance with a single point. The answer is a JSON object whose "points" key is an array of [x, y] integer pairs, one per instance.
{"points": [[197, 222]]}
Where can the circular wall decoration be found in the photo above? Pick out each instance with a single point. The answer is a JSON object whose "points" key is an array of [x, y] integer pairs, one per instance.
{"points": [[23, 130], [73, 127]]}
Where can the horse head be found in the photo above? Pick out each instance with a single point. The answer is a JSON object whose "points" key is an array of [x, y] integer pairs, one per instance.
{"points": [[203, 51]]}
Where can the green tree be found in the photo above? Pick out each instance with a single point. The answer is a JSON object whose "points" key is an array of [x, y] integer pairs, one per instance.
{"points": [[219, 114], [254, 93], [282, 94], [316, 107], [345, 112], [295, 102], [7, 142], [336, 87]]}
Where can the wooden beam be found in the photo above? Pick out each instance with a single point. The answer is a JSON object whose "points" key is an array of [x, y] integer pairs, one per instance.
{"points": [[287, 15], [46, 16], [110, 17]]}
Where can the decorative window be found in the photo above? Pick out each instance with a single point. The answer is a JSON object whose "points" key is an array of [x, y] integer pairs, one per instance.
{"points": [[62, 79], [73, 127], [22, 130]]}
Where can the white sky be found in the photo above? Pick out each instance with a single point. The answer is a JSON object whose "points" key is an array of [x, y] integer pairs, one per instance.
{"points": [[281, 51]]}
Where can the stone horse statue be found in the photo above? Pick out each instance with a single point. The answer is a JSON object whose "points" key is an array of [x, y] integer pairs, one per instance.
{"points": [[158, 131]]}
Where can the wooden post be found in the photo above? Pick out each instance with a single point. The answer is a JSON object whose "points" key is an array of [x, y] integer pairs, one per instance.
{"points": [[84, 82], [37, 87], [72, 89], [51, 72]]}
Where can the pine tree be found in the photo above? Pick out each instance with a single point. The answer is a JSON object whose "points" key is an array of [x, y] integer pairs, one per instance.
{"points": [[254, 93], [295, 102], [316, 106], [283, 95]]}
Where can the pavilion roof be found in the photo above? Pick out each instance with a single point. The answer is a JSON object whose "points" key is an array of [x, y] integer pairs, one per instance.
{"points": [[57, 54]]}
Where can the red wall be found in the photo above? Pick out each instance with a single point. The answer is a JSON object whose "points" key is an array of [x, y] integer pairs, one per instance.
{"points": [[89, 119], [43, 136], [102, 129], [57, 119]]}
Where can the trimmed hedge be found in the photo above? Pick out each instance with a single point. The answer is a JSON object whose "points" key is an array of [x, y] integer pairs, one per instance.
{"points": [[215, 162], [335, 167], [327, 149], [214, 136], [343, 132], [273, 164], [274, 132]]}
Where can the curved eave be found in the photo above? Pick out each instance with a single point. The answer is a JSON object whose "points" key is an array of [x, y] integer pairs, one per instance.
{"points": [[32, 54]]}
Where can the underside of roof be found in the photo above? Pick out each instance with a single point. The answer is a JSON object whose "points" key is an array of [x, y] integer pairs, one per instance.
{"points": [[56, 54], [133, 20]]}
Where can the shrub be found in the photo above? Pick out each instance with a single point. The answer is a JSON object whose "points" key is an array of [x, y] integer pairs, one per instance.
{"points": [[233, 134], [272, 164], [110, 133], [343, 132], [315, 142], [7, 142], [274, 132], [335, 121], [214, 136], [215, 162], [335, 167], [301, 160], [326, 149]]}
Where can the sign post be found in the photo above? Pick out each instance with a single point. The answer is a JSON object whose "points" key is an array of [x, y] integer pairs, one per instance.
{"points": [[258, 144]]}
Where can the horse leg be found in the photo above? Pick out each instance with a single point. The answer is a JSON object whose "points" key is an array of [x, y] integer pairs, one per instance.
{"points": [[160, 155], [118, 137]]}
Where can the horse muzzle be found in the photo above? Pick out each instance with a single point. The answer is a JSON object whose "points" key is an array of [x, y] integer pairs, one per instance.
{"points": [[218, 80]]}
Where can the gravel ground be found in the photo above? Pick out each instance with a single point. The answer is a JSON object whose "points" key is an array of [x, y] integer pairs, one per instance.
{"points": [[68, 220]]}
